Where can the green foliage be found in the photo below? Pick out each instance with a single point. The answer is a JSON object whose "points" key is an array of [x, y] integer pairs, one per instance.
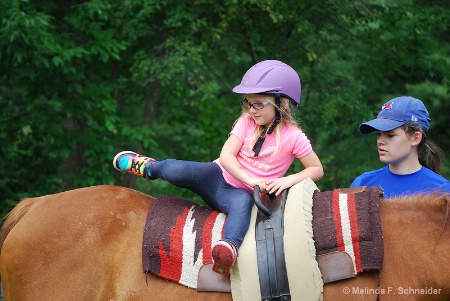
{"points": [[81, 81]]}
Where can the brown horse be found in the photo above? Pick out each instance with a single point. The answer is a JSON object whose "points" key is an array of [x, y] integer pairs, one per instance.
{"points": [[86, 244]]}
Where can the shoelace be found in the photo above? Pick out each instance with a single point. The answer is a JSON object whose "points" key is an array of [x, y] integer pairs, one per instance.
{"points": [[136, 164]]}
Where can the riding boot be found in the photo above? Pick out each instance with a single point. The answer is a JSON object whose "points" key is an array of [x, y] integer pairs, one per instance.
{"points": [[134, 163], [224, 255]]}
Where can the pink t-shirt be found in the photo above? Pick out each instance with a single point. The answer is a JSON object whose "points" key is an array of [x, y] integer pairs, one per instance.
{"points": [[294, 144]]}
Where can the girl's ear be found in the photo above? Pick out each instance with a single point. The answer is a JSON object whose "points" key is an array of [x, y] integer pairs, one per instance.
{"points": [[416, 138], [286, 103]]}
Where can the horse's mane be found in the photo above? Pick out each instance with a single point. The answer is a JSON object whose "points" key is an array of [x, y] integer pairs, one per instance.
{"points": [[419, 200], [434, 205]]}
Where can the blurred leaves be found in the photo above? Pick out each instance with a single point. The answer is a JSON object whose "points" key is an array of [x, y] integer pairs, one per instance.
{"points": [[81, 81]]}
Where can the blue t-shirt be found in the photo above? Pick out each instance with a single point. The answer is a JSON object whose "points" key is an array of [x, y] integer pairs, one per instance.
{"points": [[422, 181]]}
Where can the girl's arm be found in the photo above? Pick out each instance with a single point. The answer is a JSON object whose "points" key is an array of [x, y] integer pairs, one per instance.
{"points": [[229, 161], [313, 169]]}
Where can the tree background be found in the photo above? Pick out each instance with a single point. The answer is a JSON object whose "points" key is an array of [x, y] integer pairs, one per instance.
{"points": [[83, 80]]}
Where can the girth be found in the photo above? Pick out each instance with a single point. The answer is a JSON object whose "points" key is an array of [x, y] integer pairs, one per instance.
{"points": [[273, 279]]}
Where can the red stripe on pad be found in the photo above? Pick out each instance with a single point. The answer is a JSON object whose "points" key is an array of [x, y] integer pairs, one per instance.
{"points": [[354, 230], [207, 236], [171, 264]]}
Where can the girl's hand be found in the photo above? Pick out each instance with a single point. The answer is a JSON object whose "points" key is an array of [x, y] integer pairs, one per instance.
{"points": [[277, 185], [258, 182]]}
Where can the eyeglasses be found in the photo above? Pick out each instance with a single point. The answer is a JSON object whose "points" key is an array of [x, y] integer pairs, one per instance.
{"points": [[256, 105]]}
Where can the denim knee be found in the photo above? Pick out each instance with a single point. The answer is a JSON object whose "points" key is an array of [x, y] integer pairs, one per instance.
{"points": [[239, 213]]}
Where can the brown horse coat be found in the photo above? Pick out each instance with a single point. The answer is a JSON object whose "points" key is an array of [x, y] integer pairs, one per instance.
{"points": [[86, 244]]}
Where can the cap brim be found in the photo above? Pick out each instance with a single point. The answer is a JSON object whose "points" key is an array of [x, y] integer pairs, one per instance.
{"points": [[379, 125]]}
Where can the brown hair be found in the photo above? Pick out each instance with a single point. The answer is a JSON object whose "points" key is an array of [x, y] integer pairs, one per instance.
{"points": [[429, 153]]}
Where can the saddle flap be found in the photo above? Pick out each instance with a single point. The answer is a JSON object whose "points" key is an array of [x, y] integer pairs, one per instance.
{"points": [[336, 266], [273, 278], [210, 281]]}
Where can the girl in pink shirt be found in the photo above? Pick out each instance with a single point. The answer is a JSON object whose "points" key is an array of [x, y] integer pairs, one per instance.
{"points": [[260, 148]]}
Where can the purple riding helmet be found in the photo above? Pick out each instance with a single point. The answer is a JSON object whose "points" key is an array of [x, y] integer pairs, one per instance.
{"points": [[271, 77]]}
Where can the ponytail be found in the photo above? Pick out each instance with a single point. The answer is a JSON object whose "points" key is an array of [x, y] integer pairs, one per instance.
{"points": [[429, 153], [430, 156]]}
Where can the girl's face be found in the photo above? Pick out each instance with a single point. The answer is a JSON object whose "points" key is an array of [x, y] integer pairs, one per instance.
{"points": [[264, 116], [395, 147]]}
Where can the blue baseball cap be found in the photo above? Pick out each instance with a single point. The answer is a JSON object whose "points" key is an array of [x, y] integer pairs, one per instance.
{"points": [[397, 112]]}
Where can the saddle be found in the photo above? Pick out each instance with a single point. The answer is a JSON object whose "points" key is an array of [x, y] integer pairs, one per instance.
{"points": [[179, 235]]}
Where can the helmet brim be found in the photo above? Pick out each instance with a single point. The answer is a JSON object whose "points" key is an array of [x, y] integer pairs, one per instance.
{"points": [[254, 90]]}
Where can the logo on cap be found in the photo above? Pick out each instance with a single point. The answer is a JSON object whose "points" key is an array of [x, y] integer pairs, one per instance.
{"points": [[387, 106]]}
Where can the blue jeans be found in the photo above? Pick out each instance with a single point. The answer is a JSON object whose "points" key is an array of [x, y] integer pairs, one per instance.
{"points": [[206, 180]]}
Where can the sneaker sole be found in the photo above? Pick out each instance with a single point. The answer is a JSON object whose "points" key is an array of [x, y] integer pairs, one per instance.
{"points": [[223, 260], [116, 163]]}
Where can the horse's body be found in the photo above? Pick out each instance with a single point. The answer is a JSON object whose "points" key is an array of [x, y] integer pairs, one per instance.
{"points": [[86, 244]]}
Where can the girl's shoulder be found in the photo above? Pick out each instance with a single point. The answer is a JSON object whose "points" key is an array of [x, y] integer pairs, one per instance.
{"points": [[243, 126], [246, 118], [432, 174], [243, 119]]}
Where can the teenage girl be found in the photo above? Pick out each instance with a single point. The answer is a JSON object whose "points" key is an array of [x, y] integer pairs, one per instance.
{"points": [[413, 161]]}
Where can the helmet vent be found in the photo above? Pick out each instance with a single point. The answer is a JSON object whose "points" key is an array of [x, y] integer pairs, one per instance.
{"points": [[263, 76]]}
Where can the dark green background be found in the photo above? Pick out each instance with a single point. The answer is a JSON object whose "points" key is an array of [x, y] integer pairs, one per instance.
{"points": [[83, 80]]}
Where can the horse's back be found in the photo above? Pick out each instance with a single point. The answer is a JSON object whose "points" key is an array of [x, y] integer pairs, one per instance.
{"points": [[82, 244], [67, 241]]}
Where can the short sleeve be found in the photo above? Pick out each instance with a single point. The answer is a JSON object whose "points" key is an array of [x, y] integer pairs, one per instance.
{"points": [[242, 126]]}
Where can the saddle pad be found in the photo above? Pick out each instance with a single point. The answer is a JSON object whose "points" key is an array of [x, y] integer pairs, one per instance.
{"points": [[305, 280], [178, 238], [350, 222]]}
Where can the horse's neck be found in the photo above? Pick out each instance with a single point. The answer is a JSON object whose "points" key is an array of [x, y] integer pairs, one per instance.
{"points": [[416, 242], [421, 221]]}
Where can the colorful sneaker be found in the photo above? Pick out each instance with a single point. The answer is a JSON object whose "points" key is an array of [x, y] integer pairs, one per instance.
{"points": [[224, 256], [133, 163]]}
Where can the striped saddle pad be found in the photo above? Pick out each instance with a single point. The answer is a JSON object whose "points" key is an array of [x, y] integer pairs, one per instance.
{"points": [[179, 234], [349, 221], [178, 238]]}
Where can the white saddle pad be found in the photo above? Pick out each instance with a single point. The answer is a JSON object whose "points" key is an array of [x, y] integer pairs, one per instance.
{"points": [[305, 279]]}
